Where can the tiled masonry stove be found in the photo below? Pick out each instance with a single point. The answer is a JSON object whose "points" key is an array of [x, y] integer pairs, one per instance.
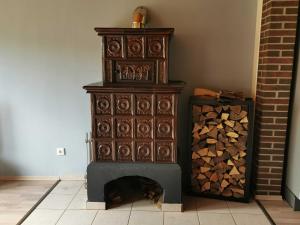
{"points": [[134, 114]]}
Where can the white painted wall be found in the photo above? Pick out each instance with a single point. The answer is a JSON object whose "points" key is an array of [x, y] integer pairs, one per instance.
{"points": [[293, 165], [48, 51]]}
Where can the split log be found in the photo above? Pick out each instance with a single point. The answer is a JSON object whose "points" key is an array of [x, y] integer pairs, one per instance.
{"points": [[213, 133], [204, 130], [207, 108], [211, 141], [225, 116], [203, 151]]}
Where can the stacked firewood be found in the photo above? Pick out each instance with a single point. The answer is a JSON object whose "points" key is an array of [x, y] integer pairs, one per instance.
{"points": [[219, 149]]}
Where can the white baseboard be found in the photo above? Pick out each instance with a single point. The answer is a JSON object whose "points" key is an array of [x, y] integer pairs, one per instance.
{"points": [[29, 178], [42, 178], [72, 178], [268, 197]]}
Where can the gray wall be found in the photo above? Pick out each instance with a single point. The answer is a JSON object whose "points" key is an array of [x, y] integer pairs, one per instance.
{"points": [[48, 51], [293, 169]]}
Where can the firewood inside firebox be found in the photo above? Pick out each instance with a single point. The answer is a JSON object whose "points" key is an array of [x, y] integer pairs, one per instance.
{"points": [[132, 188]]}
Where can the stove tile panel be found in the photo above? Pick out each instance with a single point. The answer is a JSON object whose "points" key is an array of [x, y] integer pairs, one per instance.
{"points": [[124, 127], [123, 104], [104, 127], [165, 151], [165, 104], [104, 150], [144, 104], [124, 150], [144, 151], [103, 104]]}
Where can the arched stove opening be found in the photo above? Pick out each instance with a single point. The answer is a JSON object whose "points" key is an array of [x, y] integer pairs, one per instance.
{"points": [[129, 189]]}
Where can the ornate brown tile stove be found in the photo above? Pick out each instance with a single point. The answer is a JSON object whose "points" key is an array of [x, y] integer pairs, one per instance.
{"points": [[134, 114]]}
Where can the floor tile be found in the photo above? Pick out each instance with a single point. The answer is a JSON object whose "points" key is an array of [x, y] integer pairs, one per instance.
{"points": [[43, 217], [124, 206], [215, 219], [179, 218], [248, 208], [189, 203], [67, 187], [82, 190], [56, 201], [146, 218], [77, 217], [105, 217], [212, 205], [250, 219], [79, 202], [145, 205]]}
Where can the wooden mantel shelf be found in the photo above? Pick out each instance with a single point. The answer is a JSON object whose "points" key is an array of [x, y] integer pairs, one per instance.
{"points": [[138, 31]]}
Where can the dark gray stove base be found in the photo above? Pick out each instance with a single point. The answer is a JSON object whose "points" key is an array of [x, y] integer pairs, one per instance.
{"points": [[167, 175]]}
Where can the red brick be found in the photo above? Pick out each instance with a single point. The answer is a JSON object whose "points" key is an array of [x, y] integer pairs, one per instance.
{"points": [[282, 108], [278, 60], [262, 181], [287, 53], [271, 151], [282, 33], [268, 175], [275, 87], [282, 18], [281, 120], [273, 139], [284, 3], [280, 46], [277, 158], [289, 40], [285, 81], [290, 25], [266, 120], [276, 170], [286, 68], [284, 94], [276, 74], [272, 127], [291, 11], [274, 101], [278, 145], [268, 187]]}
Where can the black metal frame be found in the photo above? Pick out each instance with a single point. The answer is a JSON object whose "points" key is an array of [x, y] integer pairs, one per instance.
{"points": [[248, 103]]}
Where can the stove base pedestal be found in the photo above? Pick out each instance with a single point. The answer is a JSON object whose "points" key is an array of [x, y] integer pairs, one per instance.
{"points": [[167, 175]]}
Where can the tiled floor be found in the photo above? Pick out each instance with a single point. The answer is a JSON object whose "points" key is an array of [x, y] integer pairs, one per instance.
{"points": [[66, 206], [18, 197]]}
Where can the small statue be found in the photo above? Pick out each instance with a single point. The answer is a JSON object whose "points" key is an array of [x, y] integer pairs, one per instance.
{"points": [[139, 17]]}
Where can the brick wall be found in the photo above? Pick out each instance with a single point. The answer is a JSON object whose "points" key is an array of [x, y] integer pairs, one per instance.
{"points": [[278, 32]]}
